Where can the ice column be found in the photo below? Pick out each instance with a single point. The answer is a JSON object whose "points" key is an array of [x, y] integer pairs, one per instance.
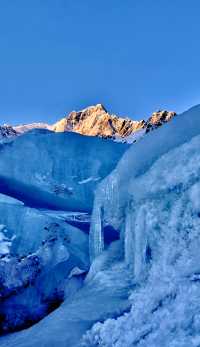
{"points": [[96, 237], [135, 241], [140, 245], [129, 238]]}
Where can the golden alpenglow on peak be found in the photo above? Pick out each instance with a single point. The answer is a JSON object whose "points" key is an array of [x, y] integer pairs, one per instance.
{"points": [[96, 121], [160, 117]]}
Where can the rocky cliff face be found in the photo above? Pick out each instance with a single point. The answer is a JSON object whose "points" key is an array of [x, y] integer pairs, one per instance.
{"points": [[95, 121], [158, 118], [7, 132]]}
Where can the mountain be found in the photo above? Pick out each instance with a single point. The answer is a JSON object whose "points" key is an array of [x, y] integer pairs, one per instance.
{"points": [[7, 132], [96, 121], [102, 235], [20, 129]]}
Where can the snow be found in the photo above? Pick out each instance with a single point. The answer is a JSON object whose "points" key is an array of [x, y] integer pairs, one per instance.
{"points": [[162, 243], [132, 138], [113, 192], [141, 290]]}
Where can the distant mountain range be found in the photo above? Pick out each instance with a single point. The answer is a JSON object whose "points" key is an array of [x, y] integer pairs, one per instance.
{"points": [[95, 121]]}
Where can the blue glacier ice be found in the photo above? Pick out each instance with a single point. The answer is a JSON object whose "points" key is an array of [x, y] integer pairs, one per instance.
{"points": [[56, 170], [143, 288], [157, 213], [47, 184], [40, 255]]}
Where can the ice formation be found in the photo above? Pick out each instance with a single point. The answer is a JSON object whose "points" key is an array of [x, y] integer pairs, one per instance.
{"points": [[45, 169], [142, 289], [161, 225], [115, 194], [38, 254]]}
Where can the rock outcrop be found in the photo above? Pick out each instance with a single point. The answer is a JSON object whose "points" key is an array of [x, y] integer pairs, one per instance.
{"points": [[7, 132], [159, 118], [96, 121]]}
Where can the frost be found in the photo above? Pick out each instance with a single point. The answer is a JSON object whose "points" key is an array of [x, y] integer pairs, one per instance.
{"points": [[159, 220], [142, 289]]}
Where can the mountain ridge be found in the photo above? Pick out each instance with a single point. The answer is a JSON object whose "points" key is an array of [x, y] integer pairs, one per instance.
{"points": [[96, 121]]}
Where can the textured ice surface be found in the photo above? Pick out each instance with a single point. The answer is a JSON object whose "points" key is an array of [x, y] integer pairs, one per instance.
{"points": [[113, 193], [39, 255], [152, 200], [161, 237], [56, 170], [104, 295]]}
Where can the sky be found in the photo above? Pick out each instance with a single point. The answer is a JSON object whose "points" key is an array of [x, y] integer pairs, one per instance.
{"points": [[133, 56]]}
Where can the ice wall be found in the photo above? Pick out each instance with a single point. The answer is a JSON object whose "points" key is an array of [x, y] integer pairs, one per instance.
{"points": [[42, 261], [161, 226], [117, 193], [56, 170]]}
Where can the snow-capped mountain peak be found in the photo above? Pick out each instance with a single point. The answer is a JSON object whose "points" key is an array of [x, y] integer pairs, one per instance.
{"points": [[96, 121]]}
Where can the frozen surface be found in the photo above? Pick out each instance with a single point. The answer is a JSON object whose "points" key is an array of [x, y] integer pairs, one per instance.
{"points": [[152, 200], [104, 295], [40, 255], [160, 227], [112, 198], [56, 170]]}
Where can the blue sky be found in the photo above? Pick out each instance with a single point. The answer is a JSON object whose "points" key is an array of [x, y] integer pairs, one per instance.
{"points": [[134, 56]]}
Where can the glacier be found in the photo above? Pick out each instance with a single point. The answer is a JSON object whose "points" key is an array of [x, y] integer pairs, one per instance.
{"points": [[47, 185], [159, 218], [56, 170], [140, 288], [112, 197], [40, 256]]}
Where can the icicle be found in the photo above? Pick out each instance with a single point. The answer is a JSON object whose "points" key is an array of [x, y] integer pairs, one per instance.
{"points": [[135, 241], [96, 237], [140, 244], [129, 239]]}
